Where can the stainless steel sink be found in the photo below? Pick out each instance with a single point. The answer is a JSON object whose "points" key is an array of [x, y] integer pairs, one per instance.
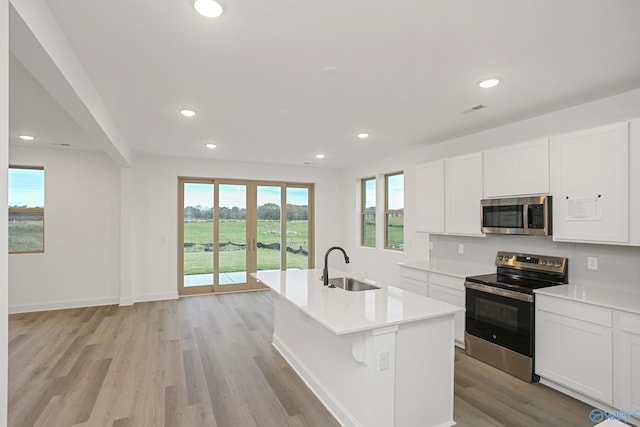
{"points": [[349, 284]]}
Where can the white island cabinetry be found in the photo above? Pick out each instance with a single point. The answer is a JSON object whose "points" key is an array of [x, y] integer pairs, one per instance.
{"points": [[375, 358]]}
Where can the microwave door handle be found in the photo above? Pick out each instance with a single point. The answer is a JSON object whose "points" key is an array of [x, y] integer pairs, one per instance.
{"points": [[525, 217]]}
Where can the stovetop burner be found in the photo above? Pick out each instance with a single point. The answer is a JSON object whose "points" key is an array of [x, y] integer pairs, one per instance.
{"points": [[525, 273]]}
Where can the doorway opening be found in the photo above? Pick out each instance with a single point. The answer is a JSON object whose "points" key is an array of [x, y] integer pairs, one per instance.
{"points": [[231, 228]]}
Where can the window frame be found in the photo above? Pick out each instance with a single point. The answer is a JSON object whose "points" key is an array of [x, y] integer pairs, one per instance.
{"points": [[364, 212], [29, 210], [388, 211]]}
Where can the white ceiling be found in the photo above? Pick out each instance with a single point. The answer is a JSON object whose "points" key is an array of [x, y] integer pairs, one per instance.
{"points": [[405, 71]]}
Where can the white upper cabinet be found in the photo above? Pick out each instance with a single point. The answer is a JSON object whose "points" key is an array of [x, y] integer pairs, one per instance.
{"points": [[463, 193], [430, 196], [590, 185], [634, 182], [517, 170]]}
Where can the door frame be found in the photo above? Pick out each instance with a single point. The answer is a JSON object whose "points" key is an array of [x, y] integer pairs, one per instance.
{"points": [[251, 232]]}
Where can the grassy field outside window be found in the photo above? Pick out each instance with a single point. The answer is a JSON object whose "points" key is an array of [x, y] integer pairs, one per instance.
{"points": [[394, 211], [26, 209]]}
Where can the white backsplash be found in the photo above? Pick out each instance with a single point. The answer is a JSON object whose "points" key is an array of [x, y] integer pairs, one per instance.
{"points": [[618, 266]]}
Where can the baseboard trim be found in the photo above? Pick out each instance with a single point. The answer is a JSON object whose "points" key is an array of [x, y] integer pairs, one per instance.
{"points": [[60, 305], [155, 297]]}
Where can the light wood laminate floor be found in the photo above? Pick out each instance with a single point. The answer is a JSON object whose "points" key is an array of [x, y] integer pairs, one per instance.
{"points": [[208, 361]]}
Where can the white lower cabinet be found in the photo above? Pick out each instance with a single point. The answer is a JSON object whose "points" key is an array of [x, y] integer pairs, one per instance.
{"points": [[574, 346], [626, 368], [413, 280], [450, 289]]}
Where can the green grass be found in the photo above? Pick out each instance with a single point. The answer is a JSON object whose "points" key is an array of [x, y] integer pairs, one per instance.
{"points": [[198, 261], [26, 236], [395, 233]]}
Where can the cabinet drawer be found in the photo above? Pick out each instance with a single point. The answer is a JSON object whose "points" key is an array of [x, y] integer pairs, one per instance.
{"points": [[576, 310], [412, 285], [413, 273], [446, 281], [446, 294], [628, 322]]}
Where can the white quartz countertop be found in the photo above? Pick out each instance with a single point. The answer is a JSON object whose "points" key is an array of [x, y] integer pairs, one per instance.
{"points": [[450, 268], [343, 312], [617, 300]]}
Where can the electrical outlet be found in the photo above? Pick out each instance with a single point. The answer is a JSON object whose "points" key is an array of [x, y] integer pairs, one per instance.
{"points": [[384, 361], [460, 248], [592, 263]]}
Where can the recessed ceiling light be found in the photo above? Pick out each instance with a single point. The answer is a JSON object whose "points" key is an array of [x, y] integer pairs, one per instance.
{"points": [[319, 156], [187, 112], [208, 8], [362, 135], [26, 137], [210, 146], [489, 83]]}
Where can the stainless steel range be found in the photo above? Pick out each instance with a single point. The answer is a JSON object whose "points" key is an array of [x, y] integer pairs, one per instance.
{"points": [[500, 310]]}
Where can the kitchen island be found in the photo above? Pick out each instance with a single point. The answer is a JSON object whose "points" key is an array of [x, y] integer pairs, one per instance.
{"points": [[375, 358]]}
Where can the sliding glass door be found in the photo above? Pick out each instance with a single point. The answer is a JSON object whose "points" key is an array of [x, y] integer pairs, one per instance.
{"points": [[229, 228]]}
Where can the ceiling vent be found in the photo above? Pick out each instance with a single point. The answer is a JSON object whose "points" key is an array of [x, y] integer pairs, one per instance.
{"points": [[474, 108]]}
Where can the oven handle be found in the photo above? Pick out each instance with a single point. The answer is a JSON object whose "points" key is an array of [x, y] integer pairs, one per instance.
{"points": [[499, 291]]}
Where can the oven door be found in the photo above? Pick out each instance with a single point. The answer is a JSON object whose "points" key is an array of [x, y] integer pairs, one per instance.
{"points": [[500, 316]]}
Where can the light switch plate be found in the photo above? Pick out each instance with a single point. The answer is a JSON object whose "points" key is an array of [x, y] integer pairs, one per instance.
{"points": [[592, 263]]}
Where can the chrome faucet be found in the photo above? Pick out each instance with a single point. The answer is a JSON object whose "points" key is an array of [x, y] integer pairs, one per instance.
{"points": [[325, 270]]}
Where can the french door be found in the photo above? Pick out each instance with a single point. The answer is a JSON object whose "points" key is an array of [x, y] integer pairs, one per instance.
{"points": [[231, 228]]}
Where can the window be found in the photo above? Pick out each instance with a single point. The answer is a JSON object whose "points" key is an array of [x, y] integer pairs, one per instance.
{"points": [[394, 211], [26, 209], [368, 212]]}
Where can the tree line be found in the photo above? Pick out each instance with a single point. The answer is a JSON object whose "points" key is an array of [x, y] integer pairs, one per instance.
{"points": [[268, 211]]}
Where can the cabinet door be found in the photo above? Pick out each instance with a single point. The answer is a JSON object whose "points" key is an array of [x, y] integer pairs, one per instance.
{"points": [[634, 177], [501, 171], [455, 297], [590, 179], [533, 167], [463, 193], [413, 280], [430, 196], [517, 170], [575, 354], [627, 364]]}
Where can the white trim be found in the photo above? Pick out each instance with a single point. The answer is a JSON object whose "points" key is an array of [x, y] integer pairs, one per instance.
{"points": [[59, 305], [126, 301], [155, 297]]}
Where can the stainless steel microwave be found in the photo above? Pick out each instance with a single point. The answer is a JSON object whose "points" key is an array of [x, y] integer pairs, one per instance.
{"points": [[518, 215]]}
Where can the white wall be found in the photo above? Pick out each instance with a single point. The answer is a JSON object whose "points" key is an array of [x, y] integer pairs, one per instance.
{"points": [[89, 201], [4, 150], [80, 264], [155, 212], [380, 264]]}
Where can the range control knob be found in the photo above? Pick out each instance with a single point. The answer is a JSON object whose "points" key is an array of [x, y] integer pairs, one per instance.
{"points": [[550, 263], [556, 264]]}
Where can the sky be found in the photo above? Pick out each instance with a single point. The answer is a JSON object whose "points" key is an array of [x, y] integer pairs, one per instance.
{"points": [[26, 187], [235, 195]]}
